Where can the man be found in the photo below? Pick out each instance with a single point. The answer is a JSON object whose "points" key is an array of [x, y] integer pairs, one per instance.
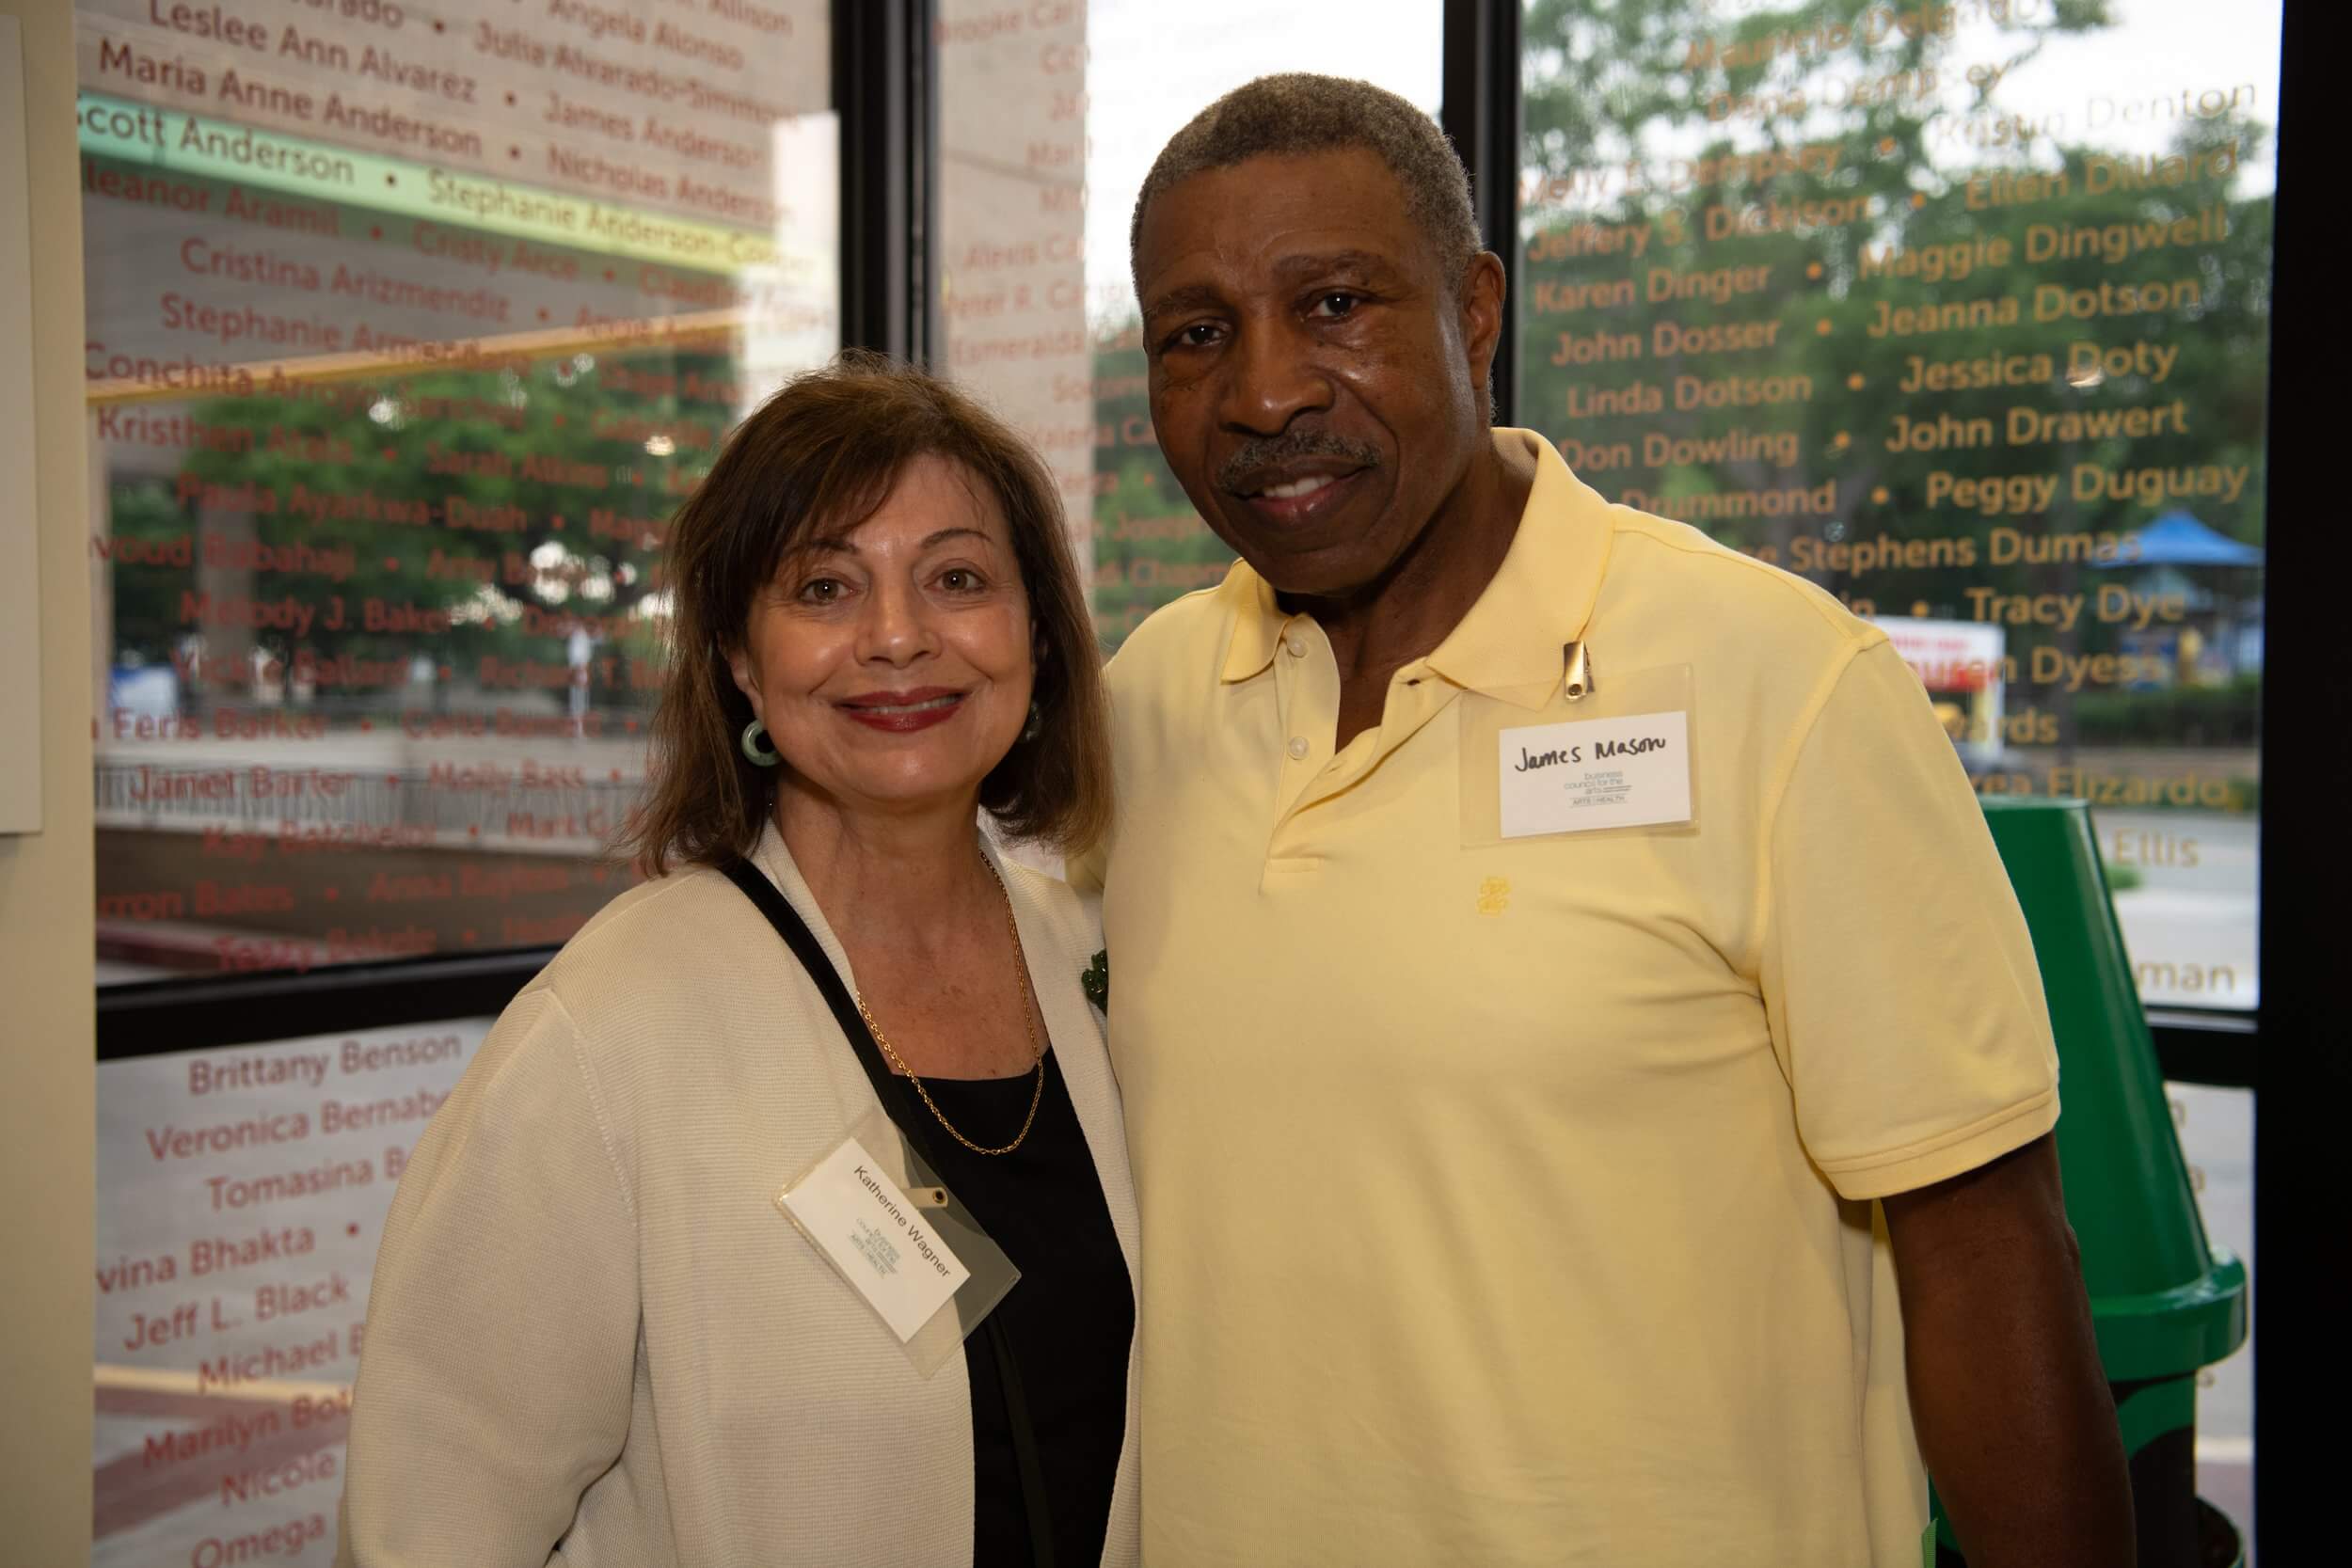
{"points": [[1546, 943]]}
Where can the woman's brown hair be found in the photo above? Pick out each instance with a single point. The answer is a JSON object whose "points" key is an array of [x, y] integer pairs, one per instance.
{"points": [[818, 457]]}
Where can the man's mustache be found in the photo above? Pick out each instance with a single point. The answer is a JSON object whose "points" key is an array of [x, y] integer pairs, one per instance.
{"points": [[1259, 461]]}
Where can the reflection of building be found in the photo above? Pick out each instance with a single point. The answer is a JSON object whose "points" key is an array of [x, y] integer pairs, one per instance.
{"points": [[2204, 629]]}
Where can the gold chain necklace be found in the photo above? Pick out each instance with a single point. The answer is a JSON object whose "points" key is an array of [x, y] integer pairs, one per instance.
{"points": [[1029, 1020]]}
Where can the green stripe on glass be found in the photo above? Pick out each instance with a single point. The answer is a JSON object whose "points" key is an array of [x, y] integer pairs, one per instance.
{"points": [[170, 141]]}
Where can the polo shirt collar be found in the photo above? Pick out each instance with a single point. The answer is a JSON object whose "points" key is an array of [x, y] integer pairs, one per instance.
{"points": [[1258, 623], [1509, 645]]}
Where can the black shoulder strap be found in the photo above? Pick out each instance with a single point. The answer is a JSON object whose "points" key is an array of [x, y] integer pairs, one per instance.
{"points": [[896, 1105], [806, 947]]}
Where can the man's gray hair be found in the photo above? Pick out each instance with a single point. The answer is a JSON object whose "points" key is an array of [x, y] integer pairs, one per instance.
{"points": [[1298, 112]]}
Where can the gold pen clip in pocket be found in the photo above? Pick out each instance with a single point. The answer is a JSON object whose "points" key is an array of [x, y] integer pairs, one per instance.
{"points": [[1576, 671]]}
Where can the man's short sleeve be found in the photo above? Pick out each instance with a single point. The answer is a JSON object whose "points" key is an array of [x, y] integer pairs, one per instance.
{"points": [[1896, 972]]}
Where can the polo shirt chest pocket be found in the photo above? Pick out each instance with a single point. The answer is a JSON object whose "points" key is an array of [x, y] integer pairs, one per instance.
{"points": [[1596, 955]]}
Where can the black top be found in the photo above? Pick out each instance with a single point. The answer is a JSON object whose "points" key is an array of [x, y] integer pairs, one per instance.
{"points": [[1070, 1318]]}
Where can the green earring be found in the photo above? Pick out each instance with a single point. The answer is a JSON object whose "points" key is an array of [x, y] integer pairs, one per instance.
{"points": [[755, 747]]}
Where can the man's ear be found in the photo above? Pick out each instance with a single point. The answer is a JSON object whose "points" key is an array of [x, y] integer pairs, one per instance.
{"points": [[1484, 287]]}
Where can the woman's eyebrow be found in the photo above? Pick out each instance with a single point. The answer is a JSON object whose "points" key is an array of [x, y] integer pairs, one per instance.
{"points": [[843, 544]]}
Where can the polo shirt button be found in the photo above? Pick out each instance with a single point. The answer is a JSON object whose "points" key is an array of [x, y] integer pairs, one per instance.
{"points": [[1299, 748], [1294, 646]]}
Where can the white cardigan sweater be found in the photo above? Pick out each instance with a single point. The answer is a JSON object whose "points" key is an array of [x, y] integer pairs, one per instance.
{"points": [[590, 1324]]}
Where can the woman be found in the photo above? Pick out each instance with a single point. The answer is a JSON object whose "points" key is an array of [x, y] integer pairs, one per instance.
{"points": [[595, 1338]]}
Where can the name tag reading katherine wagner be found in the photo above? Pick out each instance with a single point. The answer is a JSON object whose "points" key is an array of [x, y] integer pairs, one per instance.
{"points": [[1632, 772], [877, 1236]]}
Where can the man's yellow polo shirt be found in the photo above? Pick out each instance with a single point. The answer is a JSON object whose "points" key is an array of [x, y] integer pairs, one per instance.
{"points": [[1508, 1200]]}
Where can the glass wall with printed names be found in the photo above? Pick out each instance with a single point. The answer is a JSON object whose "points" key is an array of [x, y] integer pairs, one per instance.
{"points": [[1960, 311], [409, 325]]}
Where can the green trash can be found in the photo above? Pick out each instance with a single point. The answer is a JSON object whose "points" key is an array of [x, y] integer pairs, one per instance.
{"points": [[2166, 1303]]}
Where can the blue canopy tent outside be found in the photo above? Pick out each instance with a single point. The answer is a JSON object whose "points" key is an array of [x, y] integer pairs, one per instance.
{"points": [[2169, 550], [2177, 539]]}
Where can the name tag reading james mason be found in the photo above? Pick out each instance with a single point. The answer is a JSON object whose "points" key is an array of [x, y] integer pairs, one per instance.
{"points": [[876, 1237], [1628, 772]]}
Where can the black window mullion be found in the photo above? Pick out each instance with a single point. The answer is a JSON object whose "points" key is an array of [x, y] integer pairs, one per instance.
{"points": [[2306, 1070], [155, 1017], [1480, 112], [885, 87]]}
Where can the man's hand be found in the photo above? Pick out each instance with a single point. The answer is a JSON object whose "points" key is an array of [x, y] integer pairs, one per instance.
{"points": [[2012, 1411]]}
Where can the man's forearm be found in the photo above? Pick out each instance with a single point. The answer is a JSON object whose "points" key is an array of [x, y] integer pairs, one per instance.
{"points": [[2012, 1408]]}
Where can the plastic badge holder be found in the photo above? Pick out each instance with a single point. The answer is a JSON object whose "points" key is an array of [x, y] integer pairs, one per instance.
{"points": [[1658, 689], [868, 1249]]}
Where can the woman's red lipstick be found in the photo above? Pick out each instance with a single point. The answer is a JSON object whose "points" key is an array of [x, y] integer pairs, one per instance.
{"points": [[904, 712]]}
